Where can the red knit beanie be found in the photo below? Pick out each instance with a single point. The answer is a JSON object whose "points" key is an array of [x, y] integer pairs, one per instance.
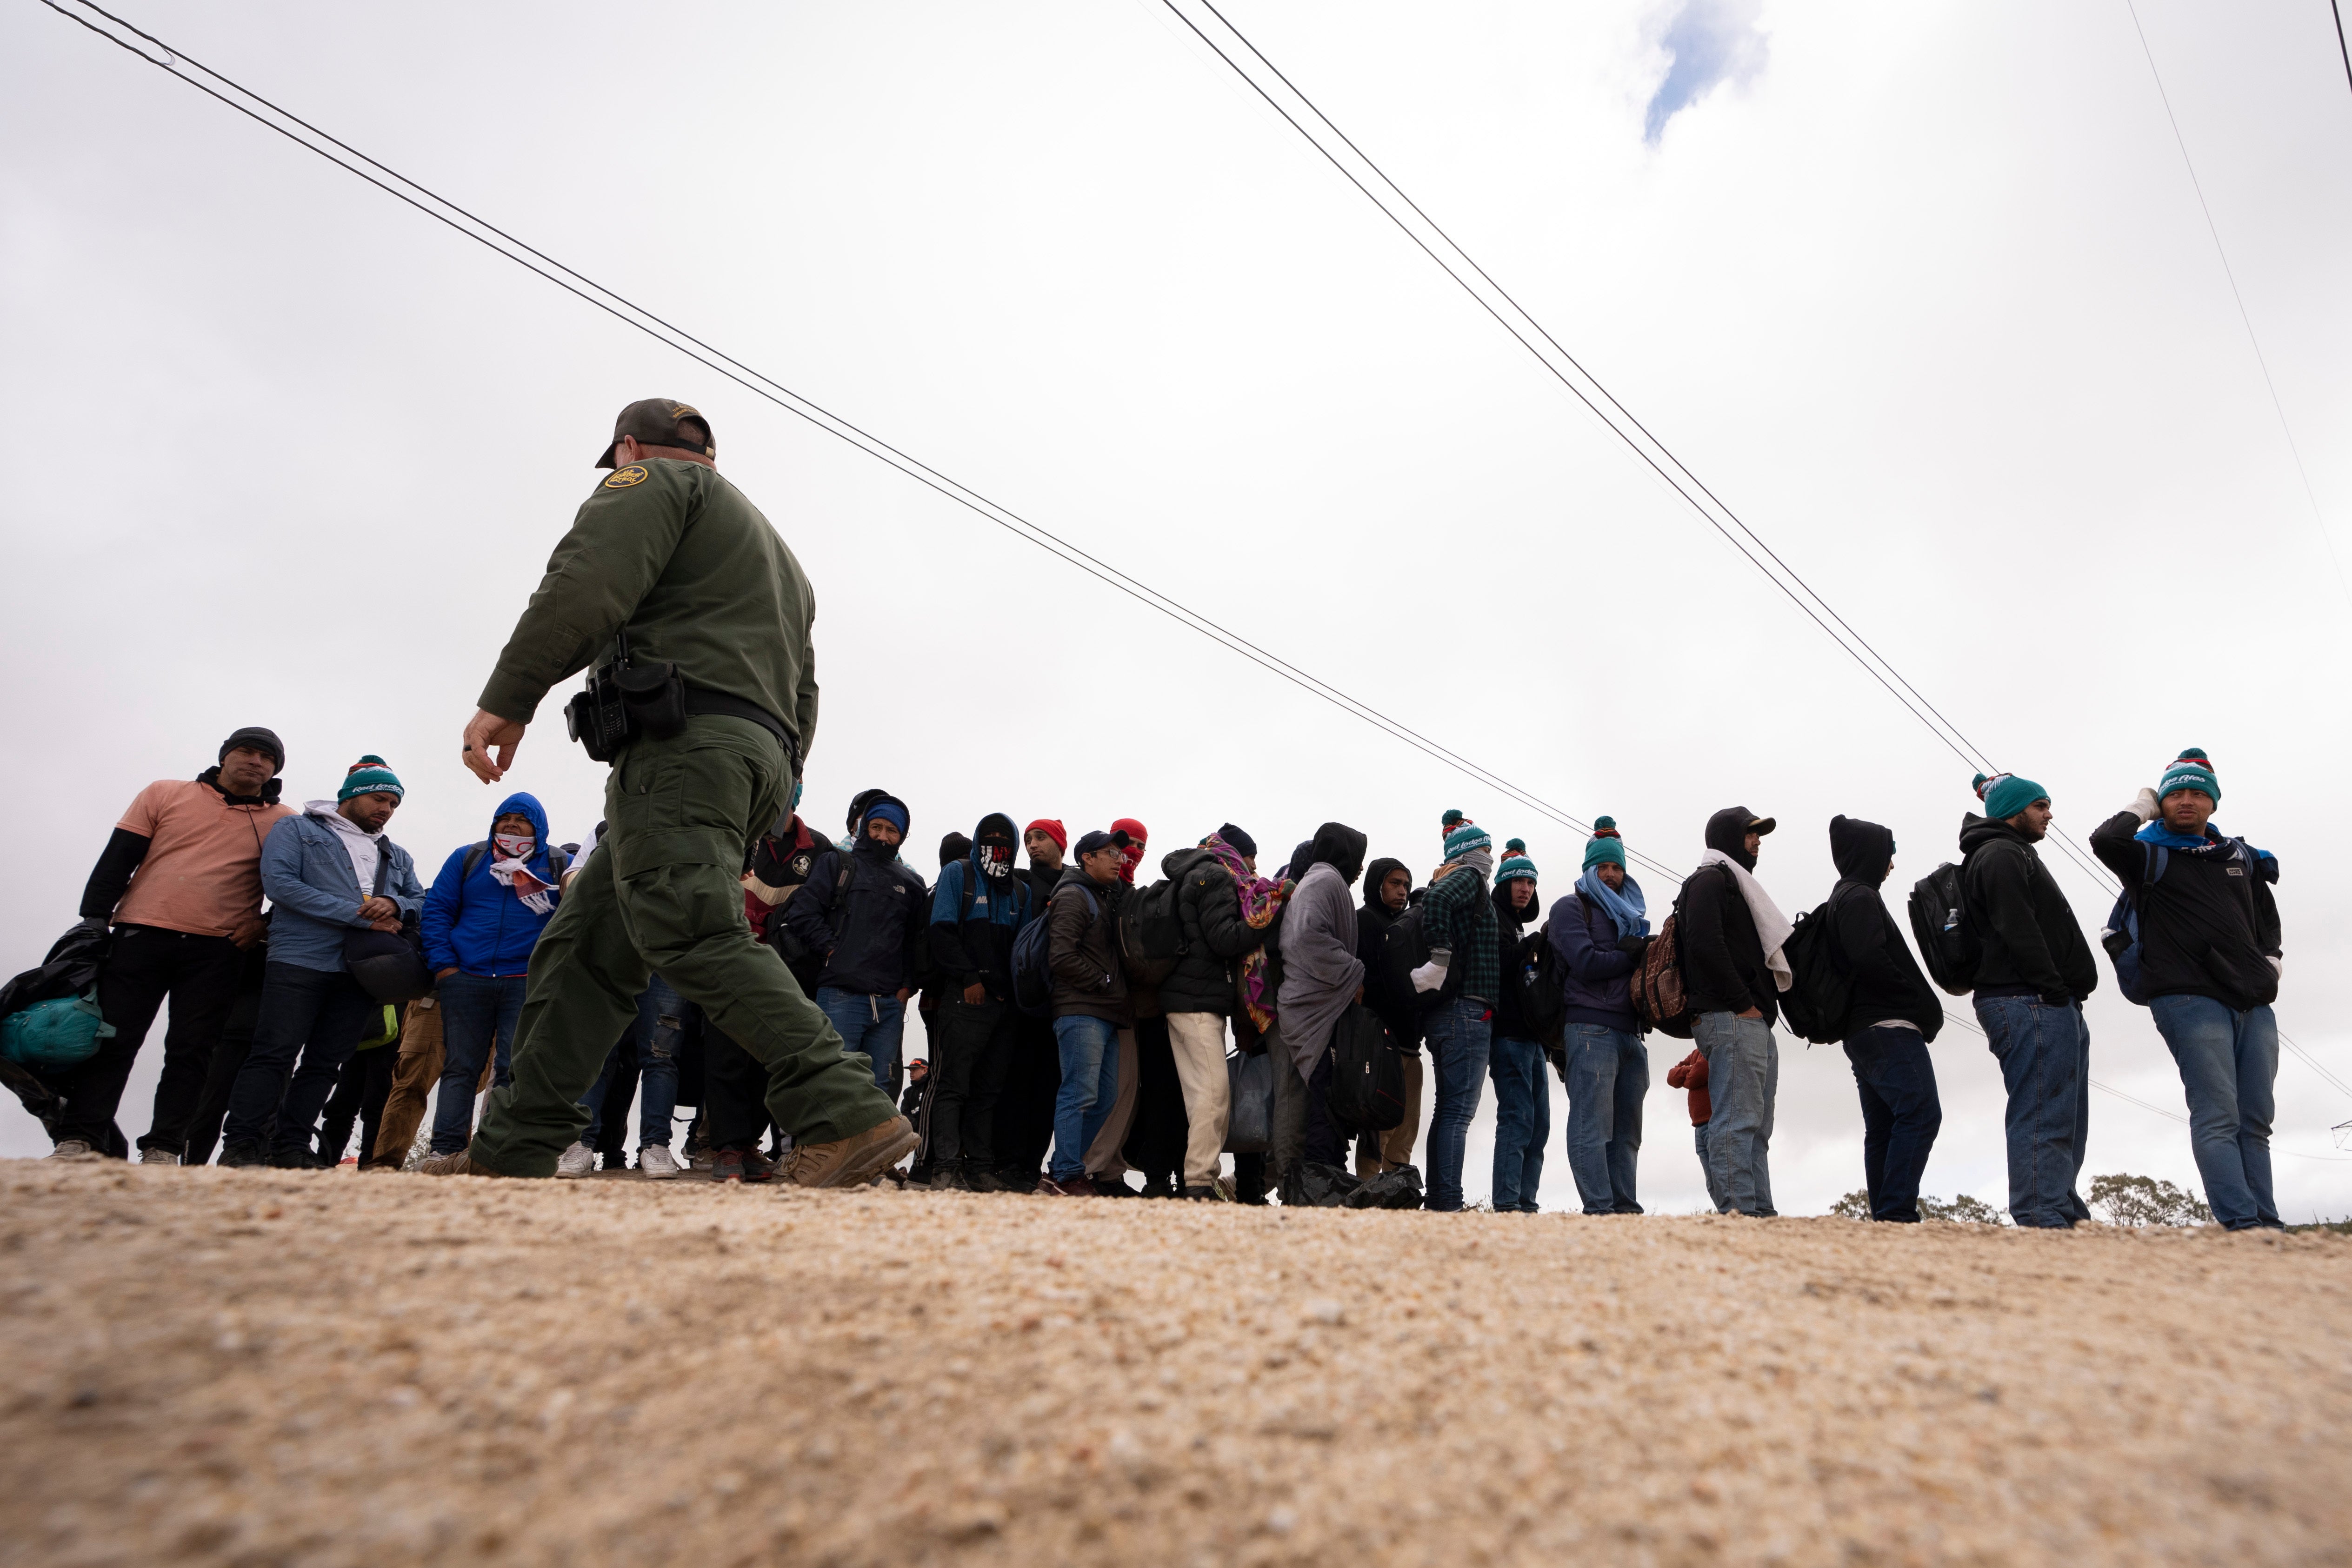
{"points": [[1050, 829]]}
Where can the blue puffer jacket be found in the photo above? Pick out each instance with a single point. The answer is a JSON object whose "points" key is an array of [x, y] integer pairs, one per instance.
{"points": [[476, 923], [1596, 979], [314, 894]]}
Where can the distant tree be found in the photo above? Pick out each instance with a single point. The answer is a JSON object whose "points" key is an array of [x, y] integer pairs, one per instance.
{"points": [[1962, 1210], [2143, 1200], [1853, 1205]]}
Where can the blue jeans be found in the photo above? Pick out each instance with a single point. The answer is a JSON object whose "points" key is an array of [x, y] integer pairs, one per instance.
{"points": [[1608, 1079], [660, 1034], [1900, 1116], [1713, 1189], [479, 1013], [1089, 1049], [317, 1015], [2045, 1060], [1743, 1080], [868, 1023], [1522, 1123], [1460, 1033], [2229, 1062]]}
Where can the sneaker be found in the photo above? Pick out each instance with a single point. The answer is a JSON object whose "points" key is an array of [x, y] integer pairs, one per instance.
{"points": [[1108, 1187], [987, 1181], [459, 1162], [1076, 1187], [1158, 1187], [73, 1148], [949, 1179], [244, 1156], [656, 1163], [1191, 1193], [158, 1157], [575, 1163], [853, 1162], [757, 1167], [1224, 1192], [726, 1165], [292, 1160]]}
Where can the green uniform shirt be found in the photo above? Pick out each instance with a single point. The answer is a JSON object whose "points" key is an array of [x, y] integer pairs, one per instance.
{"points": [[677, 555]]}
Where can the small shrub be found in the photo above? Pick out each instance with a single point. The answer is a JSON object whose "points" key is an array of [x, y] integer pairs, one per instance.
{"points": [[1962, 1210], [1853, 1205]]}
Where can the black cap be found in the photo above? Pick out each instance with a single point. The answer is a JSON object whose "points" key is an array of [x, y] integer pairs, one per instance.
{"points": [[652, 422], [1237, 841], [1097, 841], [260, 740]]}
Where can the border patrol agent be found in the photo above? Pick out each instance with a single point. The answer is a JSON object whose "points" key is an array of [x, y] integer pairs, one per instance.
{"points": [[670, 554]]}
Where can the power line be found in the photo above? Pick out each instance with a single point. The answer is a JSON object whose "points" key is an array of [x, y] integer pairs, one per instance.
{"points": [[2227, 271], [2338, 12], [1810, 603], [622, 308]]}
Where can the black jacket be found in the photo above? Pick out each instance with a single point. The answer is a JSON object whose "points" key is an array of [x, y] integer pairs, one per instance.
{"points": [[1214, 934], [1887, 982], [1510, 1019], [1722, 957], [1373, 917], [2210, 925], [2031, 939], [866, 926]]}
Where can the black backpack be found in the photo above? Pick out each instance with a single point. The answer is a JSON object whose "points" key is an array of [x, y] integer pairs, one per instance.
{"points": [[1821, 988], [1366, 1092], [1033, 969], [1151, 931], [1948, 944], [1543, 1006]]}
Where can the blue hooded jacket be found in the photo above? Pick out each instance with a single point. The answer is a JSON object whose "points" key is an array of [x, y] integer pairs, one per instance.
{"points": [[476, 924]]}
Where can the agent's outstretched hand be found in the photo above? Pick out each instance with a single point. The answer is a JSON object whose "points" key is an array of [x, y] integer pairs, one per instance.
{"points": [[487, 730]]}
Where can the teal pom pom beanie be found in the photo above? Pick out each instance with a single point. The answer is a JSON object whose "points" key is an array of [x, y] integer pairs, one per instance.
{"points": [[1514, 865], [369, 776], [2005, 794], [1464, 838], [2190, 770]]}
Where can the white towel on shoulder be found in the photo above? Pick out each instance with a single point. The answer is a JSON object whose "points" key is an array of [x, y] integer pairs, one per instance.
{"points": [[1773, 927]]}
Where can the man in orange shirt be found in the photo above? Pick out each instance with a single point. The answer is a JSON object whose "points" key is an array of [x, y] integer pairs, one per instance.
{"points": [[181, 882]]}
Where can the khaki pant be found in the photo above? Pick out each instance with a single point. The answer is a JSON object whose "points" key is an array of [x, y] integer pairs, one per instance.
{"points": [[1395, 1148], [1103, 1156], [1199, 1043], [663, 891], [412, 1077]]}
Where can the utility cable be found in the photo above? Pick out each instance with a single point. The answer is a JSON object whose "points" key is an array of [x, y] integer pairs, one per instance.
{"points": [[620, 307], [2245, 320], [1896, 686], [2338, 12]]}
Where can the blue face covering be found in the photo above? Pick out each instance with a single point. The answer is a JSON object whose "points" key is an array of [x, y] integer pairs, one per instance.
{"points": [[1626, 908]]}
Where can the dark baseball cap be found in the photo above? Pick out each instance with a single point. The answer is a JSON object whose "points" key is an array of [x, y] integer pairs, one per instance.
{"points": [[652, 421], [1096, 841]]}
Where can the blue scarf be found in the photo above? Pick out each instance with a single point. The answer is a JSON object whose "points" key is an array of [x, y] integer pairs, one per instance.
{"points": [[2157, 833], [1629, 909]]}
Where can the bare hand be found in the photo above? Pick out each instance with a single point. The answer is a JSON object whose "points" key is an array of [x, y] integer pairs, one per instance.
{"points": [[378, 909], [975, 993], [485, 731], [445, 973], [385, 925], [904, 992], [248, 932], [1360, 996], [1753, 1013]]}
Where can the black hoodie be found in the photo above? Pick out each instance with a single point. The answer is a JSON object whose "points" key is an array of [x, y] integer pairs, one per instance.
{"points": [[2210, 925], [1401, 1015], [1887, 983], [1510, 925], [2033, 944], [1722, 957], [974, 917]]}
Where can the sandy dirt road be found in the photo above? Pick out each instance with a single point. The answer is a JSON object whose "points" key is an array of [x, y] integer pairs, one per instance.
{"points": [[247, 1368]]}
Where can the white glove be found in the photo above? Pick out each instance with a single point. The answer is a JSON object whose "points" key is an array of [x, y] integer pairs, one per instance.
{"points": [[2278, 967], [1432, 975], [2145, 805]]}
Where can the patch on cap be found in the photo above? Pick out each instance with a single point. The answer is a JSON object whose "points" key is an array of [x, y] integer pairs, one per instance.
{"points": [[634, 474]]}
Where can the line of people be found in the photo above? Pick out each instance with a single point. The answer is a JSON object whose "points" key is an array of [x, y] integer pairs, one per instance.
{"points": [[1106, 1041]]}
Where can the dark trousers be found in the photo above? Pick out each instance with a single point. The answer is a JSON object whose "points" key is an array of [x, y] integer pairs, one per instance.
{"points": [[478, 1016], [1900, 1115], [1024, 1112], [229, 1052], [734, 1094], [360, 1095], [972, 1056], [312, 1021], [1155, 1139], [144, 965]]}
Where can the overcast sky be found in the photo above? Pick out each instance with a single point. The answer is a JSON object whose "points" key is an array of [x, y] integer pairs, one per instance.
{"points": [[1924, 291]]}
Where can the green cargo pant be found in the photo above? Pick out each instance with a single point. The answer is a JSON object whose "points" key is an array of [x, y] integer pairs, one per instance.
{"points": [[663, 893]]}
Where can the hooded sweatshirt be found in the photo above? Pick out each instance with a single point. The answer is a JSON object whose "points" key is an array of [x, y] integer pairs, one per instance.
{"points": [[1887, 984], [2033, 944], [1722, 957], [975, 916], [1510, 935], [1373, 917], [2210, 925], [1320, 970], [861, 909], [474, 922]]}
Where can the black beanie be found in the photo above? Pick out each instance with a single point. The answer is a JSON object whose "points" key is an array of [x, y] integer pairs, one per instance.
{"points": [[1237, 841], [260, 740]]}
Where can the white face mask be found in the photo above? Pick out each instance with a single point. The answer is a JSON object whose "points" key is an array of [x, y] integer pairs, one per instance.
{"points": [[513, 845]]}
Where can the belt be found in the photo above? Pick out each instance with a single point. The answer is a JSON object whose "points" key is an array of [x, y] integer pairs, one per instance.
{"points": [[702, 700]]}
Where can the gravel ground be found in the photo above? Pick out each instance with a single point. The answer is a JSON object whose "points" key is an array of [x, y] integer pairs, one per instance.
{"points": [[251, 1368]]}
